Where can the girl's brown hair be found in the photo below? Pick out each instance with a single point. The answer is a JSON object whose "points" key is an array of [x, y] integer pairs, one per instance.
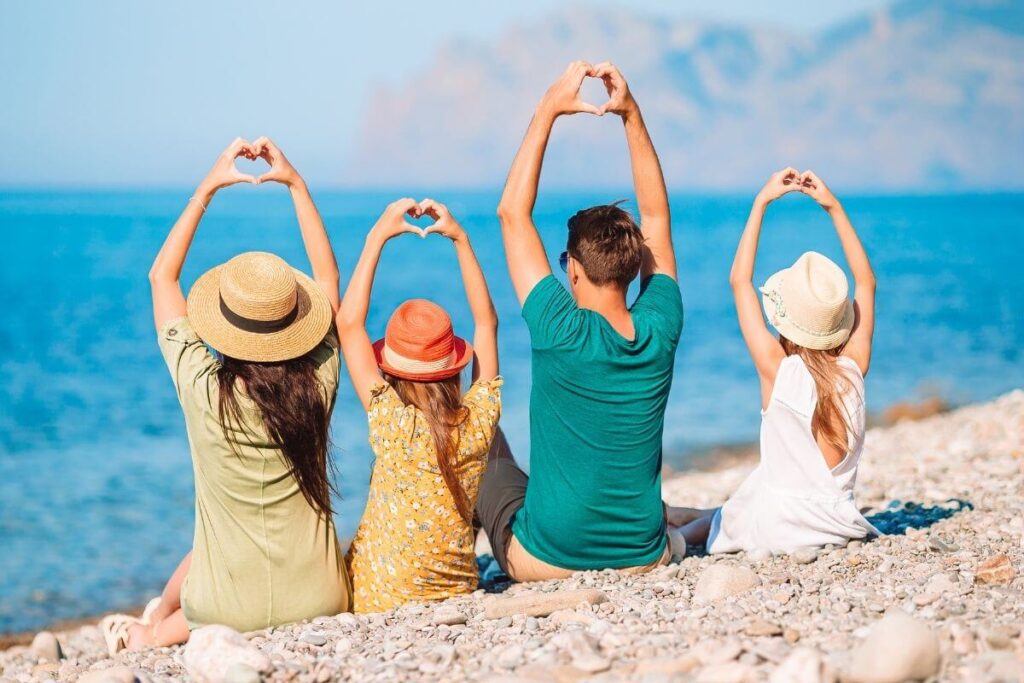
{"points": [[831, 421], [441, 405], [296, 414]]}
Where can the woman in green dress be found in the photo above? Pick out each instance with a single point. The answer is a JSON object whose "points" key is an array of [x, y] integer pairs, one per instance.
{"points": [[257, 412]]}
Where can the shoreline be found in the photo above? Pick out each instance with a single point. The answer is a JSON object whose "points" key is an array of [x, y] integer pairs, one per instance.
{"points": [[952, 594]]}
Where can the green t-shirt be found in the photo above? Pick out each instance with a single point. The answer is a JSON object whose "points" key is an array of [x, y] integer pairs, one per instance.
{"points": [[597, 412]]}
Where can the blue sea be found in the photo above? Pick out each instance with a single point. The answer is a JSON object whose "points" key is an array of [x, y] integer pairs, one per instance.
{"points": [[95, 478]]}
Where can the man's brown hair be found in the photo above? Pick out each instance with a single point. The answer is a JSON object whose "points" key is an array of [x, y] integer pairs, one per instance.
{"points": [[608, 244]]}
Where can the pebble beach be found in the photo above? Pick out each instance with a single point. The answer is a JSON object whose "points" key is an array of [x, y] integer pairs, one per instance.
{"points": [[940, 603]]}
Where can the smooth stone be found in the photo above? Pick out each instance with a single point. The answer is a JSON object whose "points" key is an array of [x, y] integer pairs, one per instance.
{"points": [[804, 555], [46, 646], [537, 604], [722, 580], [898, 648], [667, 665], [591, 662], [448, 616], [316, 639], [717, 652], [115, 674], [343, 646], [509, 657], [759, 555], [802, 665], [760, 627], [211, 651], [938, 545], [241, 673], [438, 659], [729, 672]]}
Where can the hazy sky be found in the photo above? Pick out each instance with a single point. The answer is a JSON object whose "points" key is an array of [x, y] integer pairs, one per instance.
{"points": [[145, 93]]}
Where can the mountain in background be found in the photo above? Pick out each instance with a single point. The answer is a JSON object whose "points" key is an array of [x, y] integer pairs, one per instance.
{"points": [[923, 95]]}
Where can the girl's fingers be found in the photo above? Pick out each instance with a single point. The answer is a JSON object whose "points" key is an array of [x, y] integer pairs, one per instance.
{"points": [[435, 210]]}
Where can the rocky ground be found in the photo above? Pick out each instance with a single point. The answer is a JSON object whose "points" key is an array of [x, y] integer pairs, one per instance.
{"points": [[940, 603]]}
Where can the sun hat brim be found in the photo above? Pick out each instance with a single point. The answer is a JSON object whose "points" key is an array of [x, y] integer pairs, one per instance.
{"points": [[311, 324], [463, 355], [785, 325]]}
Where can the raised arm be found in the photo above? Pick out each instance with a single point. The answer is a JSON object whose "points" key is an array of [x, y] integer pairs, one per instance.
{"points": [[165, 273], [314, 236], [527, 261], [858, 347], [648, 181], [485, 318], [765, 349], [351, 319]]}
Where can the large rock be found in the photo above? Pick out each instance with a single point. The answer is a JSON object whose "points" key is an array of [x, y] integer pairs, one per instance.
{"points": [[215, 654], [995, 570], [722, 580], [542, 604], [45, 646], [898, 648]]}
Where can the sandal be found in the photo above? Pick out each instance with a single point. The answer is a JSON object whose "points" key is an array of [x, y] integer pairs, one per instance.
{"points": [[147, 614], [115, 631]]}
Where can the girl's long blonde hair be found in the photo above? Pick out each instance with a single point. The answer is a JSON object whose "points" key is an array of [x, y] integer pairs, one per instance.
{"points": [[831, 420], [441, 405]]}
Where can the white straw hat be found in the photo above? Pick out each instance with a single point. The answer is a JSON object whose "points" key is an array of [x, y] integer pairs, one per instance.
{"points": [[808, 302], [257, 308]]}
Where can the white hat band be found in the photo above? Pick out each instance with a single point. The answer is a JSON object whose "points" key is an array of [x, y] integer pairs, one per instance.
{"points": [[411, 365], [780, 313]]}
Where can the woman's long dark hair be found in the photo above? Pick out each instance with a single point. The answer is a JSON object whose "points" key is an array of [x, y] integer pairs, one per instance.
{"points": [[441, 404], [295, 412]]}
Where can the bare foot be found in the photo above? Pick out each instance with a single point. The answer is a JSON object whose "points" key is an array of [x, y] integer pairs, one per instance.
{"points": [[139, 636]]}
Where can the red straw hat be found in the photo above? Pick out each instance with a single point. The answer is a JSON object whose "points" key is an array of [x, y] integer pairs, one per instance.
{"points": [[420, 344]]}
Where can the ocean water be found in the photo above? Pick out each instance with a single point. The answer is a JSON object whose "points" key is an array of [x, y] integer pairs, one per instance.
{"points": [[95, 479]]}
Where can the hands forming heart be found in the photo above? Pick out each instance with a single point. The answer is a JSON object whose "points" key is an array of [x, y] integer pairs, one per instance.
{"points": [[393, 221], [790, 180], [225, 173], [564, 96]]}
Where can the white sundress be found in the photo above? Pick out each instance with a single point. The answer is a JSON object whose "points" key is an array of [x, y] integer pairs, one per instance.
{"points": [[792, 500]]}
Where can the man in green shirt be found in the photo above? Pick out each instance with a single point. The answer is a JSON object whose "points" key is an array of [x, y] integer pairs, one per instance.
{"points": [[602, 370]]}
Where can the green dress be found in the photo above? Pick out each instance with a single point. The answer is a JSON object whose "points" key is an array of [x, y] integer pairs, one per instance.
{"points": [[261, 555]]}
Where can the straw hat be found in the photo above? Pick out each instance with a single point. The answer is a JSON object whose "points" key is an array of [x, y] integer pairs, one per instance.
{"points": [[420, 345], [256, 307], [807, 302]]}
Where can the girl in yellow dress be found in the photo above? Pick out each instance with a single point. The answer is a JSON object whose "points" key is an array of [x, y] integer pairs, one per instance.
{"points": [[415, 541]]}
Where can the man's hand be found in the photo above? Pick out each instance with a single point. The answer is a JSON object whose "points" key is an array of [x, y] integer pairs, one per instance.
{"points": [[392, 222], [812, 185], [781, 182], [620, 99], [564, 96], [281, 170], [444, 223]]}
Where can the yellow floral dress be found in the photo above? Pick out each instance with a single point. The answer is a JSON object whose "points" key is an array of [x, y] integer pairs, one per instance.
{"points": [[412, 544]]}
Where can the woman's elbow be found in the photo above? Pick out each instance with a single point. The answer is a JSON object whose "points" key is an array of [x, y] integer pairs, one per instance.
{"points": [[346, 322], [158, 276], [737, 281]]}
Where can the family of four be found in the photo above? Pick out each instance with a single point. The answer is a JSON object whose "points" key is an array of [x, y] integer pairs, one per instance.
{"points": [[254, 356]]}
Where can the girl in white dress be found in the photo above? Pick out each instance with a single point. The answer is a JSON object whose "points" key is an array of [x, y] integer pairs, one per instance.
{"points": [[812, 392]]}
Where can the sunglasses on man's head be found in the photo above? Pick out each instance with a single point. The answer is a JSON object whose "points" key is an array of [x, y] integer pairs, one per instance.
{"points": [[563, 261]]}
